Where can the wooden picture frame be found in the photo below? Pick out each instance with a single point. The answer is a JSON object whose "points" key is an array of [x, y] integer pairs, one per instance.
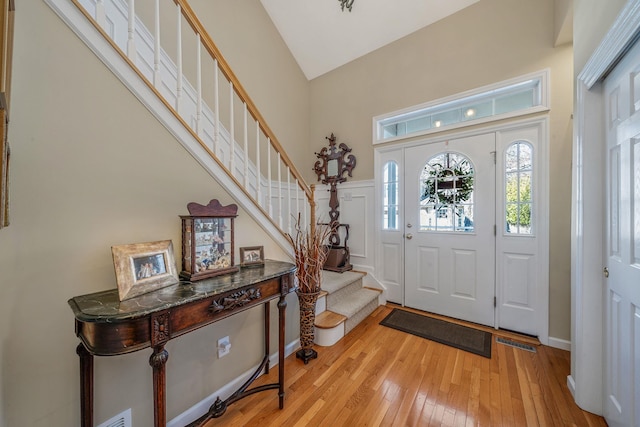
{"points": [[251, 256], [143, 267]]}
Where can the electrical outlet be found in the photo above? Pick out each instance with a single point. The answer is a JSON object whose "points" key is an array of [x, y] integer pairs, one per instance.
{"points": [[224, 347]]}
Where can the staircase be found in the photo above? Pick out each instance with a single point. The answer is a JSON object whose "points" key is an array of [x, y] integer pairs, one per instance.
{"points": [[221, 128], [210, 114], [343, 304]]}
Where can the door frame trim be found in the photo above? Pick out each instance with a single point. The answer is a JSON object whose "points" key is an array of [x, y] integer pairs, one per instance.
{"points": [[541, 120], [586, 380]]}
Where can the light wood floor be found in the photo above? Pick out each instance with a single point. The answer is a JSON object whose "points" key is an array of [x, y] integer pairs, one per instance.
{"points": [[379, 376]]}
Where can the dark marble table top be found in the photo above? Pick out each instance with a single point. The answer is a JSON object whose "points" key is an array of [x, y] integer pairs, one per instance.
{"points": [[105, 306]]}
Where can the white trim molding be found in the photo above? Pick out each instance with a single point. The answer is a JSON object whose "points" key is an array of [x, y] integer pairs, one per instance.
{"points": [[463, 100]]}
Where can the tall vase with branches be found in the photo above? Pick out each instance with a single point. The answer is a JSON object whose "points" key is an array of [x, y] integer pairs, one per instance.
{"points": [[310, 249]]}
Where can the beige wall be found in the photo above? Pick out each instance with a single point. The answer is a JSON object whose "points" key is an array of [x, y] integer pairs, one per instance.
{"points": [[91, 168], [591, 21], [492, 40]]}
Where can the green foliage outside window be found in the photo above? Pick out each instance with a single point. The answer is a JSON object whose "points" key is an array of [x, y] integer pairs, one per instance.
{"points": [[518, 202]]}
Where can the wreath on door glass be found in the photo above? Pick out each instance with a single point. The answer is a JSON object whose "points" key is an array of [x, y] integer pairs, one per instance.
{"points": [[449, 182]]}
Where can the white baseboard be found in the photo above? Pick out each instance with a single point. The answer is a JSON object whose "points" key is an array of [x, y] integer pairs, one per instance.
{"points": [[571, 384], [559, 343], [200, 408]]}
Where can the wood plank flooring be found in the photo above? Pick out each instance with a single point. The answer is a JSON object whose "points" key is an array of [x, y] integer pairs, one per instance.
{"points": [[378, 376]]}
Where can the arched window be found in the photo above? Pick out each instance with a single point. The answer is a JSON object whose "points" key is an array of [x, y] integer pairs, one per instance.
{"points": [[390, 196], [446, 193], [518, 180]]}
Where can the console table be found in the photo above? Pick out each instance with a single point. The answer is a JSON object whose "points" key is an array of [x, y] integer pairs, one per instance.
{"points": [[107, 327]]}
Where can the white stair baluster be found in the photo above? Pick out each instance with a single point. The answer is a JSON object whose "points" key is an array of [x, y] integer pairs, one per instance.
{"points": [[179, 64], [232, 131], [198, 85], [216, 112], [279, 192], [101, 16], [306, 205], [258, 176], [156, 47], [246, 149], [131, 42], [289, 196], [269, 180], [297, 198]]}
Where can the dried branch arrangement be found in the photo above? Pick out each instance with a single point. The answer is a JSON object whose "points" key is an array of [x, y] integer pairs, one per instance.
{"points": [[310, 248]]}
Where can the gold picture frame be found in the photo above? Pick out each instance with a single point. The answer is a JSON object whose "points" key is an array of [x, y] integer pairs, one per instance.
{"points": [[143, 267], [251, 256]]}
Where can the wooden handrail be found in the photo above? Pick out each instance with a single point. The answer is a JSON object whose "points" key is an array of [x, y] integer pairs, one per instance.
{"points": [[207, 41], [223, 66]]}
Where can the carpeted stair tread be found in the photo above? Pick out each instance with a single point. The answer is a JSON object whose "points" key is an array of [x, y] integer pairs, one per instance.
{"points": [[357, 301], [333, 282], [329, 319]]}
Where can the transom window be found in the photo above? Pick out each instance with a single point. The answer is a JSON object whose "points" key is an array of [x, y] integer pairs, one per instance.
{"points": [[512, 98], [518, 178], [446, 193], [390, 196]]}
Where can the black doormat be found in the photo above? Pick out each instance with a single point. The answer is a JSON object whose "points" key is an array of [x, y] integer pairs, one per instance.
{"points": [[443, 332]]}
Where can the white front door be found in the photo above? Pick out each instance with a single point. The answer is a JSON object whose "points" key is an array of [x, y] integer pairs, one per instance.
{"points": [[622, 258], [449, 228]]}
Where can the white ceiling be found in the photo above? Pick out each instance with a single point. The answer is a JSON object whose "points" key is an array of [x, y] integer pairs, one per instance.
{"points": [[322, 37]]}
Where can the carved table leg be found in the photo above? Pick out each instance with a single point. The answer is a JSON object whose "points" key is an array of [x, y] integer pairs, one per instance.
{"points": [[267, 322], [282, 305], [158, 361], [86, 386]]}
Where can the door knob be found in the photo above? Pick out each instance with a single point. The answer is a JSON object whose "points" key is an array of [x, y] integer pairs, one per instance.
{"points": [[409, 236], [605, 271]]}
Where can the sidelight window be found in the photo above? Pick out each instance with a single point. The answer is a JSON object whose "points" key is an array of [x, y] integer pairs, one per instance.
{"points": [[390, 196], [518, 181]]}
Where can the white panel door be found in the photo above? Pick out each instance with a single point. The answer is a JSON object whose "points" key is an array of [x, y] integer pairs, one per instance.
{"points": [[622, 258], [450, 247]]}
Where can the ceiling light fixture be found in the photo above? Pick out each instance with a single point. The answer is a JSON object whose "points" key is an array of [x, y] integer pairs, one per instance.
{"points": [[346, 3]]}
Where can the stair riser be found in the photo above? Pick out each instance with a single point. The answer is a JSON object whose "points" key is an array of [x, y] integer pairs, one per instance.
{"points": [[353, 321], [343, 293]]}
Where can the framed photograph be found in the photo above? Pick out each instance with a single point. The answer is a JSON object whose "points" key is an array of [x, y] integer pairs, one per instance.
{"points": [[251, 255], [144, 267]]}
